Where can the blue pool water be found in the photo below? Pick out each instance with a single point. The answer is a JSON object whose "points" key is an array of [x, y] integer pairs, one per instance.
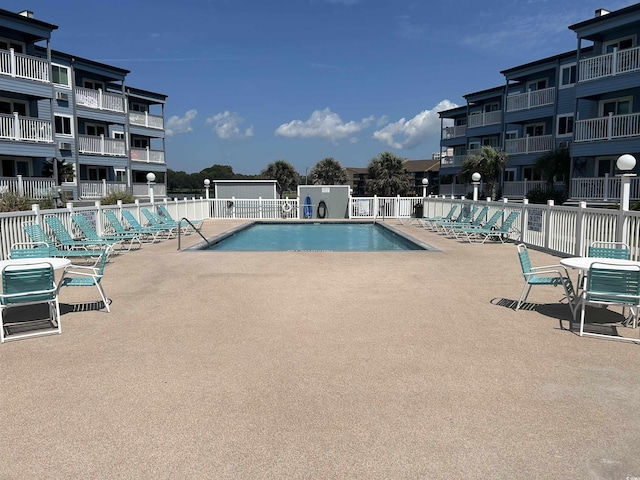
{"points": [[315, 237]]}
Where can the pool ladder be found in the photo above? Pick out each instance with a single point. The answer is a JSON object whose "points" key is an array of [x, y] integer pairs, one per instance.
{"points": [[194, 228]]}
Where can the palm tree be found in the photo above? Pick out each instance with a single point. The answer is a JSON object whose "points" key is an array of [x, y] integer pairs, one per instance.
{"points": [[329, 172], [555, 166], [387, 176], [489, 163], [65, 170], [284, 173]]}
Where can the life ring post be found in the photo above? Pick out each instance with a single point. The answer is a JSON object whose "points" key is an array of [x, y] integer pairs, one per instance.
{"points": [[286, 207]]}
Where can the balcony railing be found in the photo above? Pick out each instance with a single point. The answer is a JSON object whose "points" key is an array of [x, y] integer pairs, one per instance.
{"points": [[146, 120], [100, 188], [607, 128], [452, 161], [142, 190], [455, 189], [529, 144], [602, 188], [485, 118], [36, 188], [93, 145], [27, 129], [19, 65], [147, 155], [609, 64], [531, 99], [99, 100], [454, 132], [521, 188]]}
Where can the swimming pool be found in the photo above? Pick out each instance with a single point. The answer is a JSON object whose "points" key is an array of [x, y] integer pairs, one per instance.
{"points": [[316, 236]]}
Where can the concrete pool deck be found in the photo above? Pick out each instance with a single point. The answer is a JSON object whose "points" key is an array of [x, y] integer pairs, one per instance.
{"points": [[337, 365]]}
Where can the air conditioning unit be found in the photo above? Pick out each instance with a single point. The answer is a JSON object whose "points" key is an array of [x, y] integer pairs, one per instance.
{"points": [[62, 96], [64, 146], [563, 144]]}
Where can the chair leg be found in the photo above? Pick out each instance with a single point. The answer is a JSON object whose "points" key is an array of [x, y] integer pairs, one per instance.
{"points": [[104, 297], [582, 319], [523, 295]]}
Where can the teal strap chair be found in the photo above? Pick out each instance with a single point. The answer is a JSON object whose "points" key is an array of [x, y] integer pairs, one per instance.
{"points": [[503, 233], [450, 228], [39, 237], [427, 222], [65, 238], [489, 224], [617, 250], [548, 275], [606, 285], [156, 221], [465, 218], [137, 227], [84, 276], [89, 233], [149, 236], [197, 224], [25, 285]]}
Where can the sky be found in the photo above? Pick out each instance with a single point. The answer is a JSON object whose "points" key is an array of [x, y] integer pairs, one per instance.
{"points": [[250, 82]]}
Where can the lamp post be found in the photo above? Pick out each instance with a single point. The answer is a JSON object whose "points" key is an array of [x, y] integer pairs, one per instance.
{"points": [[207, 184], [425, 187], [151, 180], [475, 181], [625, 164]]}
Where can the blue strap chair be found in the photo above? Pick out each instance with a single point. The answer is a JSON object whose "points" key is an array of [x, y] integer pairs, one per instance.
{"points": [[84, 276], [548, 275], [26, 285]]}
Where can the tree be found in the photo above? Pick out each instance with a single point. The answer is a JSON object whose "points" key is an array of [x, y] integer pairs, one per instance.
{"points": [[65, 170], [284, 173], [489, 163], [329, 172], [555, 166], [387, 176]]}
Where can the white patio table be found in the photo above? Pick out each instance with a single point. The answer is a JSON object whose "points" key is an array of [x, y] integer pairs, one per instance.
{"points": [[56, 263]]}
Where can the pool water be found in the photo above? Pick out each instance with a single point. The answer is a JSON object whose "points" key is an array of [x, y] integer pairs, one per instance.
{"points": [[316, 237]]}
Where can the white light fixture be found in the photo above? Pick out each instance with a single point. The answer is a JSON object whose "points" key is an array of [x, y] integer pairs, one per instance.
{"points": [[151, 177], [626, 163], [476, 177], [425, 186], [207, 182], [475, 181]]}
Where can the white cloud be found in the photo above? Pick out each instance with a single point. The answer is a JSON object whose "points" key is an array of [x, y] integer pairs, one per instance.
{"points": [[411, 133], [323, 124], [226, 125], [177, 124]]}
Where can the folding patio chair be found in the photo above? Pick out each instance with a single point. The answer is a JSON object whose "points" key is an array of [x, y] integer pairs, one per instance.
{"points": [[90, 234], [39, 238], [83, 276]]}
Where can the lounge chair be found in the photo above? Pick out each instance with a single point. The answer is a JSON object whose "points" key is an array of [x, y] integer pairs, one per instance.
{"points": [[552, 275], [460, 231], [158, 232], [118, 228], [156, 221], [465, 218], [30, 284], [197, 224], [481, 235], [65, 238], [450, 228], [39, 238], [91, 235], [426, 222], [84, 276]]}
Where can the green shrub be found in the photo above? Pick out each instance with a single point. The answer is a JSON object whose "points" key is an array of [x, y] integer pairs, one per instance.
{"points": [[113, 197], [10, 202], [542, 195]]}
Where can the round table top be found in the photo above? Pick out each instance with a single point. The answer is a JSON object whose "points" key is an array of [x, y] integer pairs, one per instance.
{"points": [[584, 263], [25, 262]]}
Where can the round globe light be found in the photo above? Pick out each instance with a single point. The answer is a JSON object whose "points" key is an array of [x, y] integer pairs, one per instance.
{"points": [[151, 177], [207, 182], [626, 162], [425, 181], [476, 177]]}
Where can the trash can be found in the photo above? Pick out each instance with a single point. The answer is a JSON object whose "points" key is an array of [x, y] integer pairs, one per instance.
{"points": [[418, 210]]}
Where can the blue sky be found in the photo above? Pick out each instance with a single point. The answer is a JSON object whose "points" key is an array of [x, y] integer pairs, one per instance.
{"points": [[254, 81]]}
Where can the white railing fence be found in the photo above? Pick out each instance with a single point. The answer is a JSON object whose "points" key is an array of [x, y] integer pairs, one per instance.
{"points": [[557, 229], [23, 66]]}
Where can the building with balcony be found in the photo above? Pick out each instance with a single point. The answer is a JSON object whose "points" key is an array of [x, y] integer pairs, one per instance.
{"points": [[585, 100], [417, 169], [60, 109]]}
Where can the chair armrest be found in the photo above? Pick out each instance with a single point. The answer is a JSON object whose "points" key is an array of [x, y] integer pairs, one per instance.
{"points": [[552, 268]]}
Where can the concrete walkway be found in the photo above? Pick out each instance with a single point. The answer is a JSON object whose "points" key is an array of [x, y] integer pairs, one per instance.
{"points": [[319, 365]]}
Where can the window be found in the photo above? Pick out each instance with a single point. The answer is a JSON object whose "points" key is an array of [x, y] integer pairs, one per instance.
{"points": [[5, 44], [9, 106], [616, 106], [565, 125], [95, 130], [567, 75], [511, 135], [620, 44], [140, 143], [534, 130], [97, 173], [537, 84], [604, 166], [531, 174], [490, 142], [118, 135], [93, 84], [63, 125], [121, 175], [60, 75], [139, 107], [492, 107], [460, 122], [12, 168], [509, 175], [474, 145]]}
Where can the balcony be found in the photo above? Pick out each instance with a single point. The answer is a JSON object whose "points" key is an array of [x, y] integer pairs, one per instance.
{"points": [[100, 188], [531, 99], [94, 145], [452, 161], [25, 129], [453, 132], [609, 64], [146, 120], [147, 155], [99, 100], [18, 65], [528, 144], [485, 118], [607, 128], [37, 188]]}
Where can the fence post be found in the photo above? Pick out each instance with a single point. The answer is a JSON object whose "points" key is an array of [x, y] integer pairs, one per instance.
{"points": [[36, 210], [20, 186], [605, 193], [99, 228], [375, 207], [260, 208], [398, 206], [580, 228], [233, 207], [524, 214], [547, 223]]}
